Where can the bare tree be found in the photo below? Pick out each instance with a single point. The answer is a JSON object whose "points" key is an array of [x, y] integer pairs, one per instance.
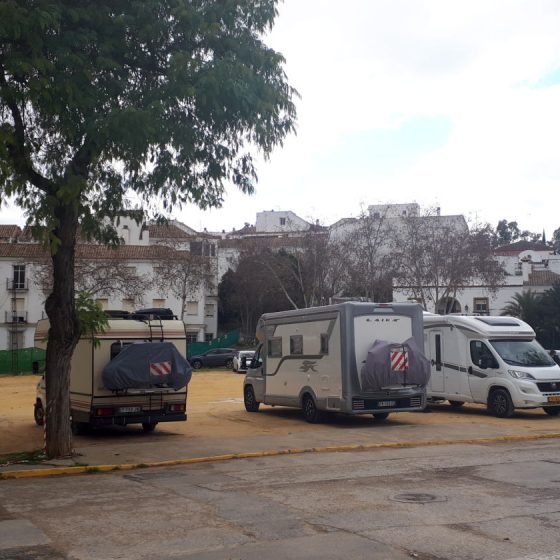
{"points": [[184, 274], [438, 256], [366, 250], [98, 277]]}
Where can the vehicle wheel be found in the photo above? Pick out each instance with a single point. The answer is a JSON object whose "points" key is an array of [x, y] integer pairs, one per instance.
{"points": [[456, 404], [552, 410], [229, 364], [310, 411], [499, 403], [39, 413], [251, 403], [381, 415], [196, 364], [79, 428], [149, 426]]}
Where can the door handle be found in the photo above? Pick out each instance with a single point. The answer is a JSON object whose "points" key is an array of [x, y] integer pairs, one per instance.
{"points": [[469, 370], [433, 362]]}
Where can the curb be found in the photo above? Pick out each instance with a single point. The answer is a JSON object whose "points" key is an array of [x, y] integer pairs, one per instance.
{"points": [[58, 471]]}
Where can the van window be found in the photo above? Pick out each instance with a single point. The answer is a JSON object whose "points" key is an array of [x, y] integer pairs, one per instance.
{"points": [[275, 347], [324, 344], [437, 342], [296, 344], [482, 356]]}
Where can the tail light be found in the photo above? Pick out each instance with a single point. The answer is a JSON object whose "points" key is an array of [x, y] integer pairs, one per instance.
{"points": [[104, 411], [177, 407]]}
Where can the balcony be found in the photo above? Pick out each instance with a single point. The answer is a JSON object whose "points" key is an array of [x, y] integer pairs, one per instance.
{"points": [[17, 317], [17, 285]]}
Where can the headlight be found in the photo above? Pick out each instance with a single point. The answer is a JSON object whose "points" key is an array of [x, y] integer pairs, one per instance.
{"points": [[520, 374]]}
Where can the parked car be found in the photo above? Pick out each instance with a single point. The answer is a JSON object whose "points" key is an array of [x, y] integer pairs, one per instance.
{"points": [[242, 359], [215, 357]]}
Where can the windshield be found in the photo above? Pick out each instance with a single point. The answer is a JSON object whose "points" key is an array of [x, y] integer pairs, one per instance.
{"points": [[522, 353]]}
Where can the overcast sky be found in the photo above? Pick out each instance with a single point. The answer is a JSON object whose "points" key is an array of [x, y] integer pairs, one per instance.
{"points": [[446, 103]]}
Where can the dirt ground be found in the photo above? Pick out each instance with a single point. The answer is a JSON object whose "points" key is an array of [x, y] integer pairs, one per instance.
{"points": [[215, 409]]}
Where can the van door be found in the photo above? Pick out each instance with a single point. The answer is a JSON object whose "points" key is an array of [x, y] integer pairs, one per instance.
{"points": [[435, 346], [483, 365]]}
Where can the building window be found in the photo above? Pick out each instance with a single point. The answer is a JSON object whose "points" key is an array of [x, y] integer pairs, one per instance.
{"points": [[19, 277], [192, 307], [275, 347], [480, 306], [208, 337], [296, 344], [102, 302], [209, 310], [158, 303], [192, 336], [282, 221], [324, 343]]}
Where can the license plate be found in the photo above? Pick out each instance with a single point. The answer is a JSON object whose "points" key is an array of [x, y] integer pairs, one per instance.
{"points": [[129, 409], [386, 403], [555, 398]]}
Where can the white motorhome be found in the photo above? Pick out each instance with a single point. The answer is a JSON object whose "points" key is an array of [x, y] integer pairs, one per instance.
{"points": [[494, 361], [313, 358], [92, 403]]}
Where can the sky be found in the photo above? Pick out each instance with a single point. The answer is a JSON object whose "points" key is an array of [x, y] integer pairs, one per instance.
{"points": [[441, 102]]}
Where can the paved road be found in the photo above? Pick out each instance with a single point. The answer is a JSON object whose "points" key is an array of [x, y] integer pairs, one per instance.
{"points": [[496, 501]]}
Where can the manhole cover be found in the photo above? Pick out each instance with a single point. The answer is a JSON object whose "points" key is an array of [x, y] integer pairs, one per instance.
{"points": [[417, 498]]}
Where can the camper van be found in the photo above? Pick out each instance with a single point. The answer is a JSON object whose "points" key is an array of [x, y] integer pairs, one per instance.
{"points": [[317, 359], [115, 381], [494, 361]]}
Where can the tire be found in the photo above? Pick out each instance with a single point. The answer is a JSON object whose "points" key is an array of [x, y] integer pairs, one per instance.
{"points": [[552, 410], [251, 403], [39, 413], [380, 415], [456, 404], [196, 364], [311, 413], [229, 364], [149, 426], [499, 403], [79, 428]]}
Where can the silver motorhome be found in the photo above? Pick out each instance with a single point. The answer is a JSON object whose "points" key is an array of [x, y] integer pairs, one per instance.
{"points": [[494, 361], [312, 359]]}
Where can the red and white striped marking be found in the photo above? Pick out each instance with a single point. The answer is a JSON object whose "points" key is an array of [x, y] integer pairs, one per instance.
{"points": [[160, 368], [399, 360]]}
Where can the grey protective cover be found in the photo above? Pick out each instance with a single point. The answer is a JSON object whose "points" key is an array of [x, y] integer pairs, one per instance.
{"points": [[377, 373], [144, 364]]}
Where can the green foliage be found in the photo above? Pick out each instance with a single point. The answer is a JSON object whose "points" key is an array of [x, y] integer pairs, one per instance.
{"points": [[541, 311], [91, 316], [167, 98]]}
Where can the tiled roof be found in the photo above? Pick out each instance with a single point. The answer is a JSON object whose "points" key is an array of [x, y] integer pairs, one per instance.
{"points": [[94, 252], [169, 231], [9, 231], [520, 246], [542, 278]]}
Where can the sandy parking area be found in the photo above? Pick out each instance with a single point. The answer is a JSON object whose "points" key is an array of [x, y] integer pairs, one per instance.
{"points": [[215, 410]]}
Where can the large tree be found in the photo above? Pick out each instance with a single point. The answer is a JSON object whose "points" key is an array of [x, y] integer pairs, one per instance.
{"points": [[166, 98]]}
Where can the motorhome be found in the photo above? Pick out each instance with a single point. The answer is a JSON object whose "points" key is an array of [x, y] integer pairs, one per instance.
{"points": [[495, 361], [317, 359], [147, 391]]}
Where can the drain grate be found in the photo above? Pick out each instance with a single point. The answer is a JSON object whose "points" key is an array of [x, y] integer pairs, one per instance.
{"points": [[418, 498]]}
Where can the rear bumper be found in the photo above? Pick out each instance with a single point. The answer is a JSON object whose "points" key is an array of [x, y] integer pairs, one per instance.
{"points": [[98, 421]]}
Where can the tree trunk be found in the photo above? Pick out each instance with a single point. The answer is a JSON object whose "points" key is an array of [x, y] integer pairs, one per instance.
{"points": [[63, 336]]}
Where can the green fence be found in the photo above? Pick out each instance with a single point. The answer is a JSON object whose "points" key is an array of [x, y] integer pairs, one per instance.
{"points": [[20, 361], [225, 341]]}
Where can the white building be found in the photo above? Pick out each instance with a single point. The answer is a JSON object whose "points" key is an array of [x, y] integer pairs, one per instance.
{"points": [[23, 265]]}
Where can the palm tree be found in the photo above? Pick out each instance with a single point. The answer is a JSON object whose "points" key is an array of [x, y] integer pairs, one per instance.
{"points": [[525, 305]]}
